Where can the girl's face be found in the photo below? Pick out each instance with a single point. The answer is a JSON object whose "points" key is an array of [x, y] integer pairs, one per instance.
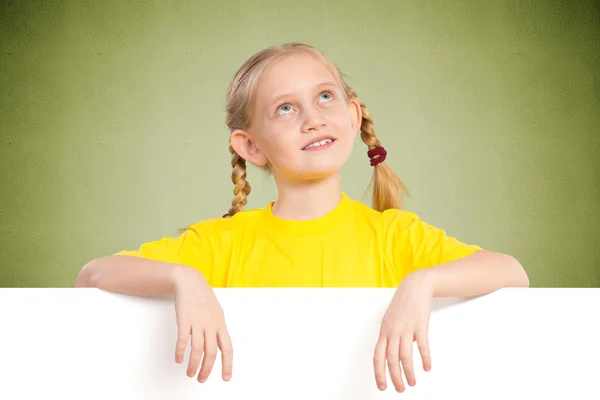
{"points": [[302, 126]]}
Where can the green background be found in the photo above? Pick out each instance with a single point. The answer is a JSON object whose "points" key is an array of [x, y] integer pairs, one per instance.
{"points": [[112, 121]]}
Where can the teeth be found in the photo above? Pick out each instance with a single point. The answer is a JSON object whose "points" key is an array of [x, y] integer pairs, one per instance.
{"points": [[321, 143]]}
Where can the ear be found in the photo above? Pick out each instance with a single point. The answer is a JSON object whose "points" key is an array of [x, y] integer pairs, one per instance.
{"points": [[355, 116], [244, 146]]}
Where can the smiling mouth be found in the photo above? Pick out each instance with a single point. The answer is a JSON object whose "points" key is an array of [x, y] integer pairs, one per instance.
{"points": [[319, 143]]}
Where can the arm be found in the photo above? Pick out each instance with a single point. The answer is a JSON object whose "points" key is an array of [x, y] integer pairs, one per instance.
{"points": [[451, 268], [431, 264], [480, 273], [154, 268], [198, 312], [133, 275], [407, 317]]}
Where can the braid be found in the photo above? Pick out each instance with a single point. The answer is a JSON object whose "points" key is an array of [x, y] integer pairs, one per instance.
{"points": [[388, 189], [242, 187]]}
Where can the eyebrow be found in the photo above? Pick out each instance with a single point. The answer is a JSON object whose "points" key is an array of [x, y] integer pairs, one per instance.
{"points": [[278, 98]]}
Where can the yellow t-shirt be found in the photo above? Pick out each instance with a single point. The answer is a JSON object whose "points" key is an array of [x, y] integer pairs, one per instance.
{"points": [[351, 246]]}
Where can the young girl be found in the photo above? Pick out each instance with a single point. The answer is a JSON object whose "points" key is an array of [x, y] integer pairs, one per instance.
{"points": [[290, 111]]}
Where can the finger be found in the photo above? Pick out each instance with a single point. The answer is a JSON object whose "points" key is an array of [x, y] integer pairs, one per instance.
{"points": [[210, 355], [183, 337], [379, 363], [197, 350], [423, 344], [224, 343], [406, 355], [393, 363]]}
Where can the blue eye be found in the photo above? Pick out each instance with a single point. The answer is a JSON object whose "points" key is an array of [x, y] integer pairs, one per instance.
{"points": [[327, 96], [284, 107]]}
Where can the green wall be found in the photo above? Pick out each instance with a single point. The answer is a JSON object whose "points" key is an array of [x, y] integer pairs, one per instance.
{"points": [[112, 121]]}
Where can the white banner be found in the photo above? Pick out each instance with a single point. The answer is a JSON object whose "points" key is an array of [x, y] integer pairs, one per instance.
{"points": [[308, 344]]}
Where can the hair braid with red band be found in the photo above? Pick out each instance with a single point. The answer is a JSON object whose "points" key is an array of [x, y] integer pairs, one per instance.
{"points": [[388, 189]]}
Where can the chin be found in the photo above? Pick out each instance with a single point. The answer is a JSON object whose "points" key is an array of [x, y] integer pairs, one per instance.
{"points": [[315, 168], [315, 172]]}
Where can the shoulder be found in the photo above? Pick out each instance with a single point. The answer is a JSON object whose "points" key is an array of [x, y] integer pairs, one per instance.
{"points": [[388, 219], [220, 226]]}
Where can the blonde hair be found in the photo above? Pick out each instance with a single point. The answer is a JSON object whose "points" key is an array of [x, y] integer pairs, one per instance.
{"points": [[388, 189]]}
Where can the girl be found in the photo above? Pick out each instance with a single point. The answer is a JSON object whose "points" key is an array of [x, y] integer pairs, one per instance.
{"points": [[290, 111]]}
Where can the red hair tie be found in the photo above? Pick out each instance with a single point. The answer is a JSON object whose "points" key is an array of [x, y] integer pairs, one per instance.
{"points": [[377, 151]]}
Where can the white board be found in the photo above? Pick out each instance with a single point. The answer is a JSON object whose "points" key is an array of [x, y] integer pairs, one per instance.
{"points": [[298, 344]]}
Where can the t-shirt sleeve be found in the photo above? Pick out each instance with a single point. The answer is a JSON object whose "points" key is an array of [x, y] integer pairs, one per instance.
{"points": [[195, 247], [415, 244]]}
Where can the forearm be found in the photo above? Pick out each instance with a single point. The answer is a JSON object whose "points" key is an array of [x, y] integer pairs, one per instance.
{"points": [[480, 273], [132, 275]]}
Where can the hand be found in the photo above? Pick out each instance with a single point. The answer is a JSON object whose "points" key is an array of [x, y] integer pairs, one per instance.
{"points": [[406, 320], [200, 315]]}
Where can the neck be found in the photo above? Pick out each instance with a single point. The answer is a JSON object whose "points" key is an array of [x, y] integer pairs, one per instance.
{"points": [[307, 200]]}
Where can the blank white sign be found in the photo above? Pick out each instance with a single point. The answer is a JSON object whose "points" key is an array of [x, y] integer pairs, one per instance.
{"points": [[298, 344]]}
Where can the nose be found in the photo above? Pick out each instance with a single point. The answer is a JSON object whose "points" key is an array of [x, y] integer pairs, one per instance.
{"points": [[313, 121]]}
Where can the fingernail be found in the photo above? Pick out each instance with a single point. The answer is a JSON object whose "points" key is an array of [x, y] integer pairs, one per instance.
{"points": [[381, 387], [227, 377]]}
